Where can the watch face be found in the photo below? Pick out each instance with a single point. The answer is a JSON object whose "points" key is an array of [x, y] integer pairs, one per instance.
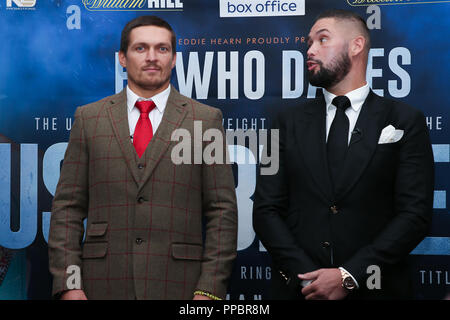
{"points": [[349, 283]]}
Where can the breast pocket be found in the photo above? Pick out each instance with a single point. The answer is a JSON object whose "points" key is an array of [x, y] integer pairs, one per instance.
{"points": [[387, 147]]}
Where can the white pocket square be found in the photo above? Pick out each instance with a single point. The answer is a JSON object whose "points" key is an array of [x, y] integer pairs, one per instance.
{"points": [[390, 135]]}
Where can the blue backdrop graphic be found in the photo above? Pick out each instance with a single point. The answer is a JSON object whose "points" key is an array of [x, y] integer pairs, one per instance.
{"points": [[60, 54]]}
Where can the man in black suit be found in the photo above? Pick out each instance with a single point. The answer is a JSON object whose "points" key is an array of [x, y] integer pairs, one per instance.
{"points": [[354, 189]]}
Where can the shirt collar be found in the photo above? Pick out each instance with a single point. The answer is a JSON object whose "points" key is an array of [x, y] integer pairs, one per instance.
{"points": [[356, 97], [159, 99]]}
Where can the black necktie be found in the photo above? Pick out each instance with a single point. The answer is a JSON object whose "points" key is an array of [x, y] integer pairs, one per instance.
{"points": [[337, 143]]}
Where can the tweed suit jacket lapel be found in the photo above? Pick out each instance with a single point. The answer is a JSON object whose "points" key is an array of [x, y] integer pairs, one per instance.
{"points": [[118, 115]]}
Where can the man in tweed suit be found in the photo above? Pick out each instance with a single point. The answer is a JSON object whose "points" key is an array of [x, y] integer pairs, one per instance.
{"points": [[144, 213]]}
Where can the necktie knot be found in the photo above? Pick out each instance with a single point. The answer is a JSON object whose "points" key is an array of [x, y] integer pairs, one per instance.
{"points": [[145, 106], [342, 102]]}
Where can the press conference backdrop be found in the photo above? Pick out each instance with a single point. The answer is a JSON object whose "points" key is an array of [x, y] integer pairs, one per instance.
{"points": [[245, 57]]}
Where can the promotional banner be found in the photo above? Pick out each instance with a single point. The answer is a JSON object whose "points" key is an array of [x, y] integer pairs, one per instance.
{"points": [[245, 57]]}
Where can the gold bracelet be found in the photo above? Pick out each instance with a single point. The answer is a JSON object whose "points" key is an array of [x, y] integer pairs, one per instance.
{"points": [[206, 294]]}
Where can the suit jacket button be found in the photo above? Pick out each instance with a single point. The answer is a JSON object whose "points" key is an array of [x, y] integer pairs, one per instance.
{"points": [[334, 209], [141, 166], [139, 241], [141, 199], [325, 244]]}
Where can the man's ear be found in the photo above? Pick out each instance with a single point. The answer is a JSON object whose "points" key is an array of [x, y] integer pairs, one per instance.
{"points": [[357, 45], [122, 59]]}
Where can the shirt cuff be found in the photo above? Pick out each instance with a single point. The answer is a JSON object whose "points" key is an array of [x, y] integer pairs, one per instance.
{"points": [[356, 282], [305, 283]]}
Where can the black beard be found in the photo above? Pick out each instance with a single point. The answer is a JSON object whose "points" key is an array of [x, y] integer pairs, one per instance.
{"points": [[329, 77]]}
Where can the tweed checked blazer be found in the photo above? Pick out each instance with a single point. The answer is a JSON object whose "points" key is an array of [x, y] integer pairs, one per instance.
{"points": [[145, 215]]}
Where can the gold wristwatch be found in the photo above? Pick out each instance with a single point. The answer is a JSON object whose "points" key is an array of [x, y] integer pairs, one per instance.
{"points": [[347, 280]]}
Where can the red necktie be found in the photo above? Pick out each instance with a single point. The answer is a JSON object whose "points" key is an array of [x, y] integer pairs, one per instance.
{"points": [[143, 132]]}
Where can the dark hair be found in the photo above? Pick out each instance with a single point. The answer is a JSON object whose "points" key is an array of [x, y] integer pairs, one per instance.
{"points": [[340, 14], [145, 21]]}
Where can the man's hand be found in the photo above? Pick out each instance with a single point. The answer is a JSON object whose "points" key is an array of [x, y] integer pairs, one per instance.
{"points": [[73, 295], [326, 285]]}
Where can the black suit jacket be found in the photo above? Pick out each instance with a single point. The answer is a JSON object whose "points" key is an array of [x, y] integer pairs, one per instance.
{"points": [[380, 210]]}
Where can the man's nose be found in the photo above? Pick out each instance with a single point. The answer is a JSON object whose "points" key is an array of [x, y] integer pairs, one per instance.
{"points": [[151, 54], [311, 51]]}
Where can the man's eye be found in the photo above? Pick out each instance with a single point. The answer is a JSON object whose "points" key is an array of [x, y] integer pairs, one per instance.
{"points": [[139, 48], [164, 49], [323, 39]]}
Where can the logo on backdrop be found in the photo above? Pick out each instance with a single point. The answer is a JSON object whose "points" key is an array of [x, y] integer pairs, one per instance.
{"points": [[261, 8], [133, 5], [20, 4]]}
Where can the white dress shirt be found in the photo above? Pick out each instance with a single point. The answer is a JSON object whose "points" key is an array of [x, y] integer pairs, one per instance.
{"points": [[155, 115], [357, 98]]}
